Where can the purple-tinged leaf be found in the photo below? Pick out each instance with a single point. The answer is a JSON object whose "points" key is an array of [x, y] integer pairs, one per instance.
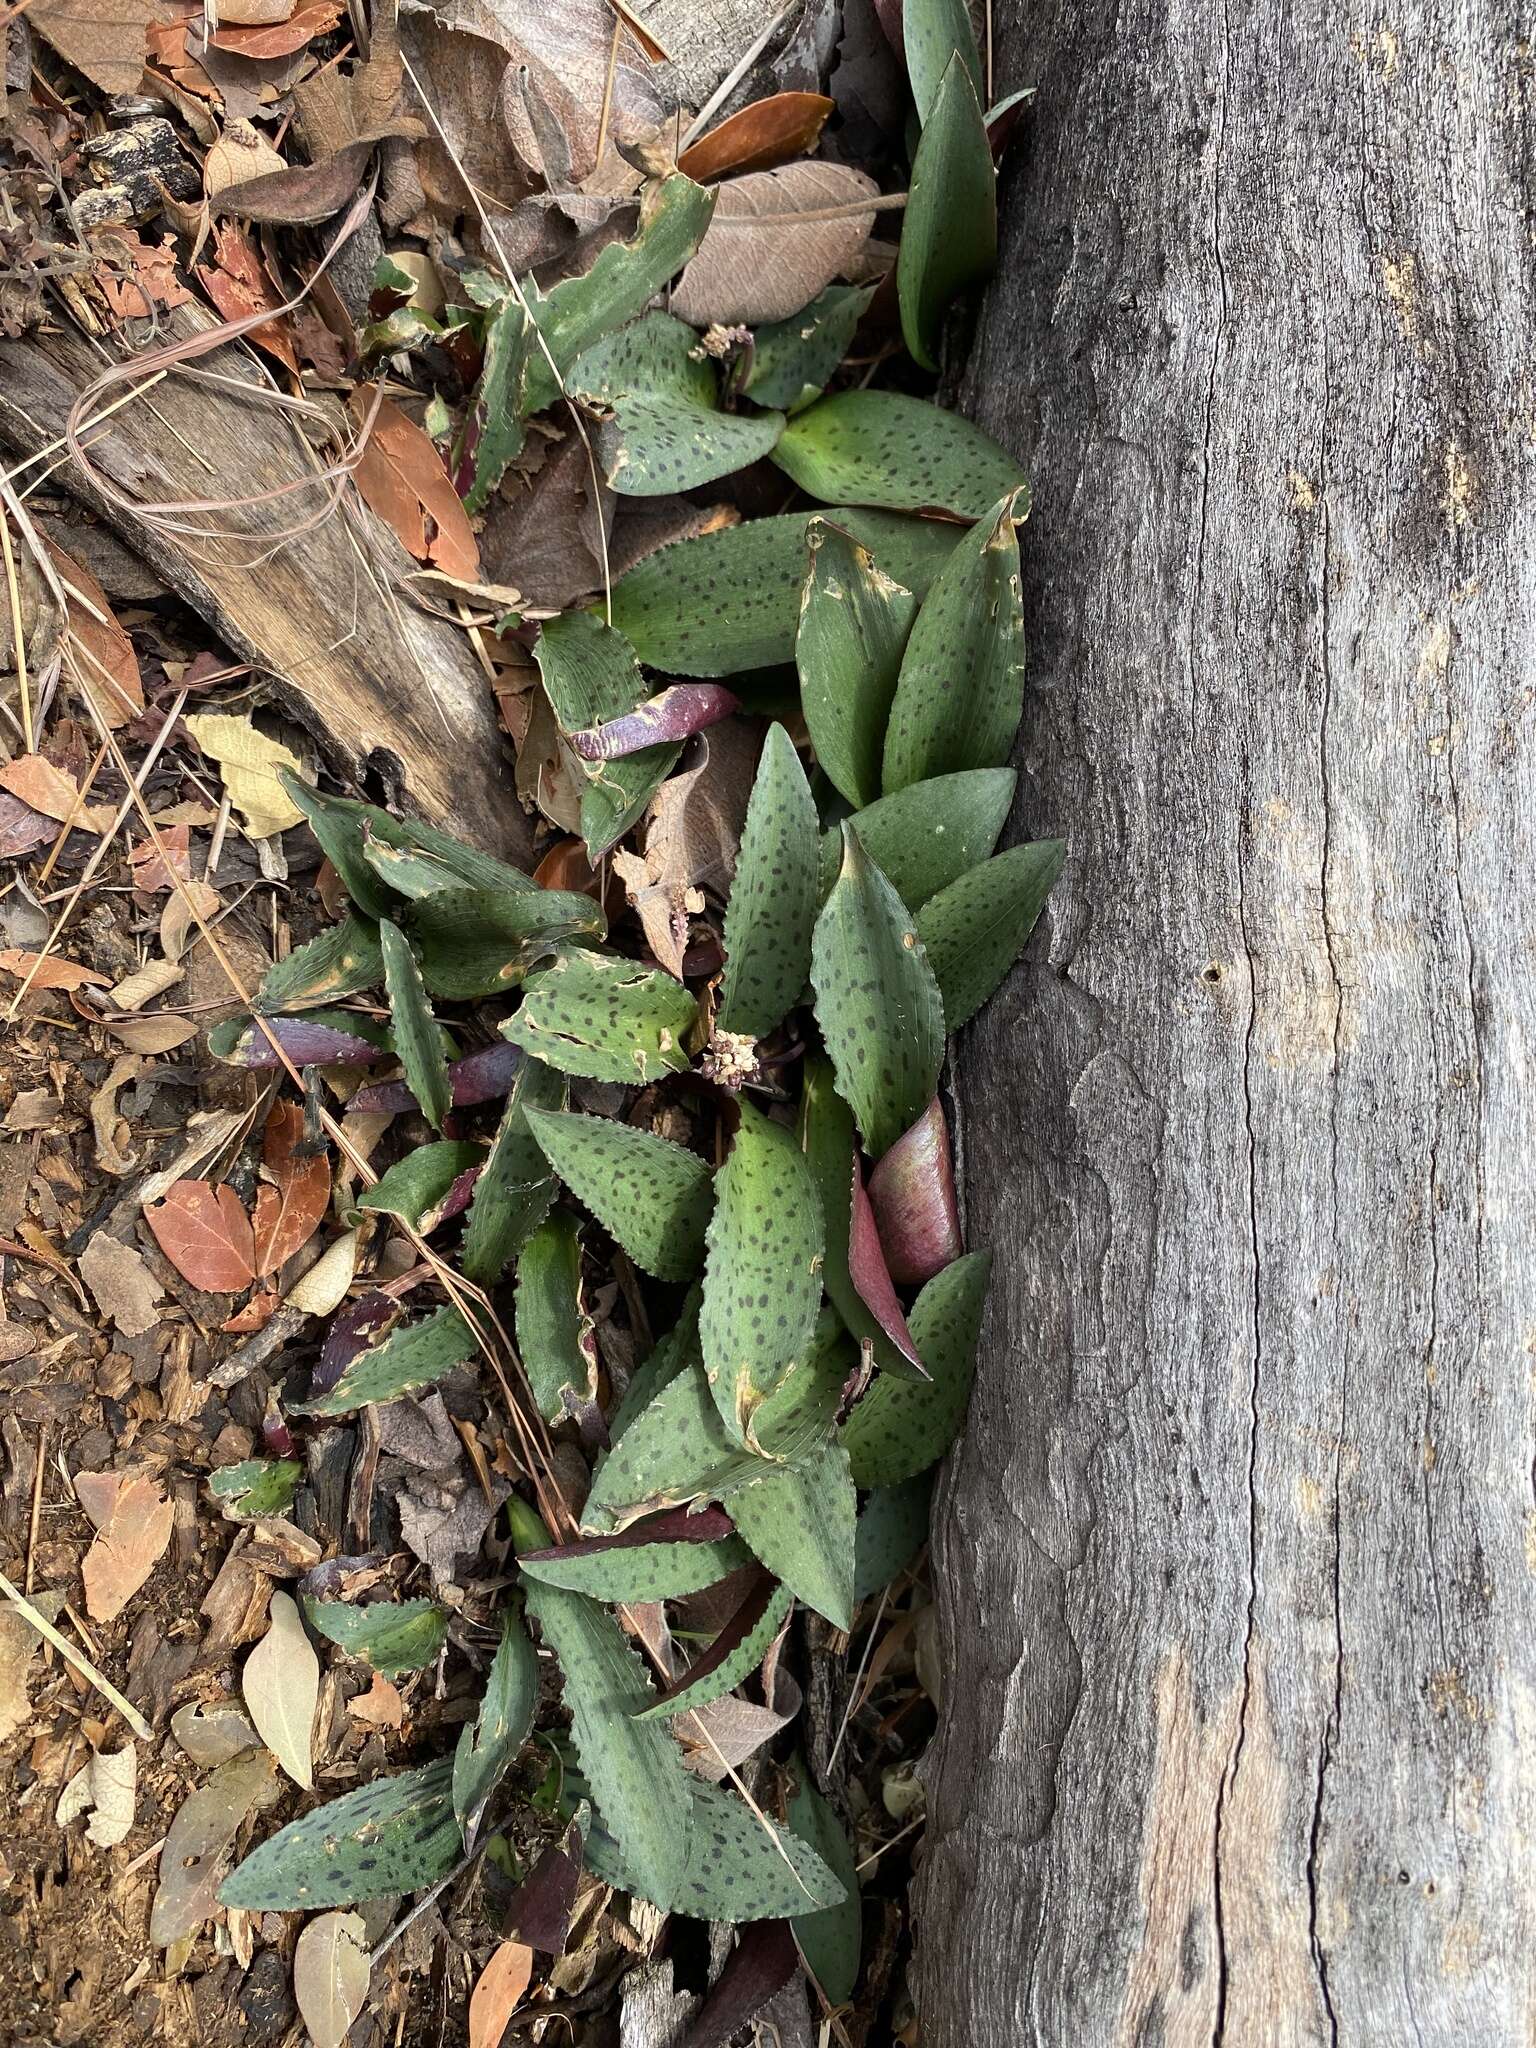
{"points": [[539, 1911], [483, 1076], [736, 1651], [359, 1324], [869, 1273], [912, 1194], [678, 712], [763, 1961], [308, 1042], [677, 1525], [455, 1202]]}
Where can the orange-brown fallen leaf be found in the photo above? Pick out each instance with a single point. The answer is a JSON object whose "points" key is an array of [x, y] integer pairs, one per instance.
{"points": [[503, 1983], [401, 477], [160, 867], [101, 651], [48, 789], [133, 1524], [380, 1706], [282, 38], [206, 1235], [140, 276], [256, 1315], [239, 286], [769, 132], [53, 973], [291, 1206]]}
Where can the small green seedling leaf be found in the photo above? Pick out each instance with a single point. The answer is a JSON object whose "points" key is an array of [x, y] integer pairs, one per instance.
{"points": [[666, 432], [900, 1428], [417, 1184], [590, 677], [876, 1001], [605, 1018], [662, 1559], [774, 897], [728, 601], [854, 623], [554, 1330], [343, 824], [893, 1527], [635, 1769], [762, 1272], [341, 962], [393, 1638], [674, 1451], [976, 928], [961, 689], [395, 1835], [735, 1653], [792, 360], [949, 236], [620, 284], [256, 1486], [799, 1522], [900, 454], [416, 1035], [651, 1196], [501, 399], [831, 1941], [412, 1356], [932, 33], [481, 942], [489, 1745], [341, 832], [926, 836], [513, 1194]]}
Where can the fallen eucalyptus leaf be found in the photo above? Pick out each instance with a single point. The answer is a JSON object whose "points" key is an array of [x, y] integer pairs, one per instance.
{"points": [[758, 260], [198, 1840], [281, 1685], [331, 1969]]}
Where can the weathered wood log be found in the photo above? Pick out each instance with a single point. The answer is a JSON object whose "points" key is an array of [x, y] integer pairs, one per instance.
{"points": [[390, 692], [1238, 1557]]}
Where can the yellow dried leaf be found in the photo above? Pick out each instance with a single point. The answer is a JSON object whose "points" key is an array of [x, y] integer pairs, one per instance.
{"points": [[248, 761]]}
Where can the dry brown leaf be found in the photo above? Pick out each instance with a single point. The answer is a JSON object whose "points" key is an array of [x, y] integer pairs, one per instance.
{"points": [[102, 38], [133, 1520], [380, 1706], [240, 154], [104, 660], [502, 1986], [213, 1734], [401, 477], [281, 1684], [48, 789], [238, 285], [291, 1205], [53, 972], [152, 278], [18, 1642], [692, 834], [160, 863], [150, 1035], [105, 1789], [323, 1288], [266, 41], [758, 260], [330, 1976], [200, 1837], [759, 137], [144, 984], [255, 13], [177, 923], [206, 1235], [125, 1289]]}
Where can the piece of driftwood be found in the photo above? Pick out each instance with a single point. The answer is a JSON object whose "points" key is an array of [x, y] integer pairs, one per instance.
{"points": [[1237, 1560], [394, 696]]}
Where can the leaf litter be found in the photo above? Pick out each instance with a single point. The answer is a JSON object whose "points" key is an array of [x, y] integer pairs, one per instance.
{"points": [[498, 1105]]}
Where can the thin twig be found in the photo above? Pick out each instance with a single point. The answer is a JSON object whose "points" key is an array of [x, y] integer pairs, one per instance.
{"points": [[613, 65], [18, 635], [421, 1905], [81, 1662]]}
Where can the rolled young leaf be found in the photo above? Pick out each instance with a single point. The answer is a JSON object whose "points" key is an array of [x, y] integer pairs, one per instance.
{"points": [[960, 694], [675, 714], [976, 928], [774, 896], [949, 236], [876, 1001], [554, 1329], [854, 623], [912, 1197], [899, 454], [489, 1744], [653, 1197], [661, 1559]]}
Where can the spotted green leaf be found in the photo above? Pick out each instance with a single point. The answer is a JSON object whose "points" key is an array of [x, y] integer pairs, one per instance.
{"points": [[793, 359], [490, 1743], [666, 432], [414, 1027], [893, 1527], [854, 623], [728, 601], [651, 1196], [901, 454], [674, 1451], [620, 284], [341, 830], [976, 928], [831, 1941], [674, 1353], [735, 1653], [949, 235], [616, 1568], [513, 1194], [341, 962], [799, 1521], [740, 1865], [393, 1637], [412, 1356], [961, 689], [762, 1270], [344, 827], [603, 1017], [410, 874], [395, 1835], [591, 676], [926, 836], [899, 1428], [933, 32], [481, 942], [876, 1001], [501, 400], [256, 1486], [635, 1769], [554, 1330], [774, 896], [415, 1185]]}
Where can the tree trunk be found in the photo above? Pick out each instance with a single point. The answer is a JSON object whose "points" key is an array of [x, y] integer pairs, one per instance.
{"points": [[1238, 1557]]}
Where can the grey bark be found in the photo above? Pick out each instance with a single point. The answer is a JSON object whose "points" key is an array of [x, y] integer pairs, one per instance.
{"points": [[1237, 1555]]}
